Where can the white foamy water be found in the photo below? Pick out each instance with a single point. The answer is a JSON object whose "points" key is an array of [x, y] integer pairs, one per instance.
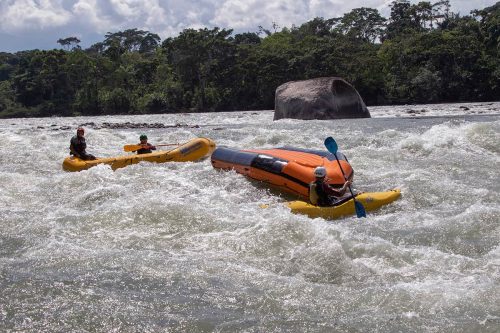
{"points": [[181, 247]]}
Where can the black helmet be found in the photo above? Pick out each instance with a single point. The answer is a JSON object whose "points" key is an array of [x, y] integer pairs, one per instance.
{"points": [[143, 137]]}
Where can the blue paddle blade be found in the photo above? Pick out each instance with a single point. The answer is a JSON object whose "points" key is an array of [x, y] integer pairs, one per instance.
{"points": [[360, 210], [331, 145]]}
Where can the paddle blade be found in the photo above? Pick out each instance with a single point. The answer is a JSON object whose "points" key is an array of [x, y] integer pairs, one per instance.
{"points": [[132, 147], [331, 145], [360, 210]]}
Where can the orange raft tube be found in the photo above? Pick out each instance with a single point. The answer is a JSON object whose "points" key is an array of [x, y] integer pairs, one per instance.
{"points": [[190, 151], [290, 169]]}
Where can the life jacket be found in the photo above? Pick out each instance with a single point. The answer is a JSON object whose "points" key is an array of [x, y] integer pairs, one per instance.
{"points": [[317, 196], [79, 144], [313, 195], [144, 151]]}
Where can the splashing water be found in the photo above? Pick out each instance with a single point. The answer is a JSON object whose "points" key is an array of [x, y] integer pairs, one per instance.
{"points": [[184, 247]]}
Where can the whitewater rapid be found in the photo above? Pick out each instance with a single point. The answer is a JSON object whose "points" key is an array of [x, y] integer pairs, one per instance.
{"points": [[182, 247]]}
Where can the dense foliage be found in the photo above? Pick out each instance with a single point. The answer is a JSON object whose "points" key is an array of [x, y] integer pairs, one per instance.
{"points": [[422, 53]]}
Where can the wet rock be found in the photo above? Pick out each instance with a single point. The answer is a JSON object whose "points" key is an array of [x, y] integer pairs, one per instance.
{"points": [[319, 98], [125, 125]]}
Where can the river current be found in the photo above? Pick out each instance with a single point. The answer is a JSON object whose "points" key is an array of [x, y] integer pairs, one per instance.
{"points": [[182, 247]]}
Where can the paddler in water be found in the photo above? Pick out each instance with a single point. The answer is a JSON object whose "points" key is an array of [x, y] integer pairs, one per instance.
{"points": [[146, 147], [78, 145], [321, 193]]}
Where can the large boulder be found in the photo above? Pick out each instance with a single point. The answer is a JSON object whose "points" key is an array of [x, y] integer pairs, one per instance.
{"points": [[320, 98]]}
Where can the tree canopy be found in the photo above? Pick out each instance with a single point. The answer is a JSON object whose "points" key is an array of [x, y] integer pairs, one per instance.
{"points": [[421, 53]]}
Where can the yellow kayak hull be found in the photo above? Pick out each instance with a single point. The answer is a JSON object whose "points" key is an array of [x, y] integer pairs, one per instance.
{"points": [[370, 200], [191, 151]]}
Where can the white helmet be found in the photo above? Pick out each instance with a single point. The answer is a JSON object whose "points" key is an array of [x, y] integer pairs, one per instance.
{"points": [[320, 172]]}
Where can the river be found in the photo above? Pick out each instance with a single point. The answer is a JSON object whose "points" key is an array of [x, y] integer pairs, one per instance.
{"points": [[182, 247]]}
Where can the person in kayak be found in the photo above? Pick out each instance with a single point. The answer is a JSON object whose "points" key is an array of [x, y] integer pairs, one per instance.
{"points": [[146, 146], [77, 146], [321, 193]]}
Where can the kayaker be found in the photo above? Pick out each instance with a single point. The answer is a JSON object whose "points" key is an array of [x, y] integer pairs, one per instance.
{"points": [[146, 146], [77, 145], [321, 193]]}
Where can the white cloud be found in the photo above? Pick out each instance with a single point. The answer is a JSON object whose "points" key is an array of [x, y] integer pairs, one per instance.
{"points": [[156, 15], [133, 9], [24, 15], [126, 8], [248, 15], [88, 14], [465, 6]]}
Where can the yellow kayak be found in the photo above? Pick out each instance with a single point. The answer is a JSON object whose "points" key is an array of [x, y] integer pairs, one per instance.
{"points": [[370, 200], [190, 151]]}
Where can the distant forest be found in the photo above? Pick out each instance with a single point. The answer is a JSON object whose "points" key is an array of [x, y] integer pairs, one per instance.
{"points": [[422, 53]]}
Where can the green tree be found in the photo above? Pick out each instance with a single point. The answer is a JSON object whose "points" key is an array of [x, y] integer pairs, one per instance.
{"points": [[490, 27], [403, 20], [437, 66], [132, 40], [202, 59], [427, 54], [362, 23], [316, 27], [69, 43], [490, 30], [247, 38], [115, 101]]}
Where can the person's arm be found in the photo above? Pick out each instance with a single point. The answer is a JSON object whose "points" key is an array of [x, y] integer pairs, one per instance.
{"points": [[147, 146], [338, 193], [345, 187]]}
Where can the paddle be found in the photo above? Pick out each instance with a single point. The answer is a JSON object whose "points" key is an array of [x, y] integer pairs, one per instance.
{"points": [[137, 147], [332, 147]]}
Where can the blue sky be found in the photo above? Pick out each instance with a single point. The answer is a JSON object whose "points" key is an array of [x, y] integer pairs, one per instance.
{"points": [[31, 24]]}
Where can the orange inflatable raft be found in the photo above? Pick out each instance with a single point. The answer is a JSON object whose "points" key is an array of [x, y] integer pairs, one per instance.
{"points": [[290, 169]]}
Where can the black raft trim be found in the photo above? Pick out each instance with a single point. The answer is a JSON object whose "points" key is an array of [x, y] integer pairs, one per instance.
{"points": [[234, 156]]}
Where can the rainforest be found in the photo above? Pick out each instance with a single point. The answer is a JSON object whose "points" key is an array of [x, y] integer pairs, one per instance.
{"points": [[421, 53]]}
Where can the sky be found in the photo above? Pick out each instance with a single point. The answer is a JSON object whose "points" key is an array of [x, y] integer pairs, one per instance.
{"points": [[38, 24]]}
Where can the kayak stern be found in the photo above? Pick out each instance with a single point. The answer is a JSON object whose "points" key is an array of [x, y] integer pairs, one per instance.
{"points": [[370, 200]]}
